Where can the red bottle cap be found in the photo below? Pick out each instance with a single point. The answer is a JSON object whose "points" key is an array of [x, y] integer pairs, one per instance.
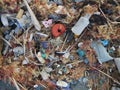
{"points": [[58, 29]]}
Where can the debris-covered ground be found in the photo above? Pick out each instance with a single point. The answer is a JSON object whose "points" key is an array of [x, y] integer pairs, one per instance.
{"points": [[60, 44]]}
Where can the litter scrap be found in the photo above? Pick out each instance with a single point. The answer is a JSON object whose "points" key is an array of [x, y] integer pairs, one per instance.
{"points": [[60, 45]]}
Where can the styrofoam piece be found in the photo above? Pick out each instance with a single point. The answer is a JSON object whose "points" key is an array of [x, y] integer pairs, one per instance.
{"points": [[101, 52], [117, 62], [82, 23]]}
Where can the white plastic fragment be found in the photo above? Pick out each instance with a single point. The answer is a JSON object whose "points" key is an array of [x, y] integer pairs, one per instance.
{"points": [[31, 37], [48, 69], [35, 86], [41, 34], [59, 9], [113, 48], [4, 20], [40, 58], [18, 50], [80, 44], [61, 83], [82, 23], [66, 55], [78, 1], [33, 17], [117, 62], [44, 75], [115, 88], [25, 61], [24, 20]]}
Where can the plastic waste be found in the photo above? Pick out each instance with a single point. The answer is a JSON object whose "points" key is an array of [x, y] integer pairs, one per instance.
{"points": [[102, 54], [4, 20], [80, 53], [82, 23], [117, 62], [34, 19]]}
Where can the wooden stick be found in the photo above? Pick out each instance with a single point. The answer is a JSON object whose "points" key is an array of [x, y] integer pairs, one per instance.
{"points": [[28, 30], [33, 17], [6, 41], [77, 41], [106, 75], [108, 21], [15, 83], [16, 40], [21, 86], [116, 2], [64, 42]]}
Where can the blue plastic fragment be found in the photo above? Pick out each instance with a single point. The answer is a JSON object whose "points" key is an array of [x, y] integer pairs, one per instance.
{"points": [[40, 88], [86, 61], [104, 42], [44, 44], [80, 53]]}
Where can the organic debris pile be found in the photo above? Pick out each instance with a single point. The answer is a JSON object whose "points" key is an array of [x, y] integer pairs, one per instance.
{"points": [[60, 44]]}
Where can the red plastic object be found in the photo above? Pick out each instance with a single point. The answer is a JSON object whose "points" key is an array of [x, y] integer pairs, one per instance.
{"points": [[58, 29]]}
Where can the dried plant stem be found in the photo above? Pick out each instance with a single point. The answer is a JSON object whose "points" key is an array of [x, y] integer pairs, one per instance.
{"points": [[106, 75], [6, 41], [33, 17], [116, 2], [17, 40], [108, 21], [15, 83], [64, 42], [28, 30], [21, 86], [24, 42]]}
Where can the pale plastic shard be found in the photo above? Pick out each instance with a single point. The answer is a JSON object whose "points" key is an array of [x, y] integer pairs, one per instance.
{"points": [[19, 50], [80, 44], [33, 17], [25, 61], [117, 62], [4, 20], [31, 37], [66, 55], [44, 75], [78, 1], [82, 23], [48, 70], [41, 34], [101, 52], [115, 88], [61, 83], [40, 58], [59, 9]]}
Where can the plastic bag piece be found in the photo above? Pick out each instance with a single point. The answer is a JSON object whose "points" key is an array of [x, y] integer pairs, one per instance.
{"points": [[101, 52]]}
